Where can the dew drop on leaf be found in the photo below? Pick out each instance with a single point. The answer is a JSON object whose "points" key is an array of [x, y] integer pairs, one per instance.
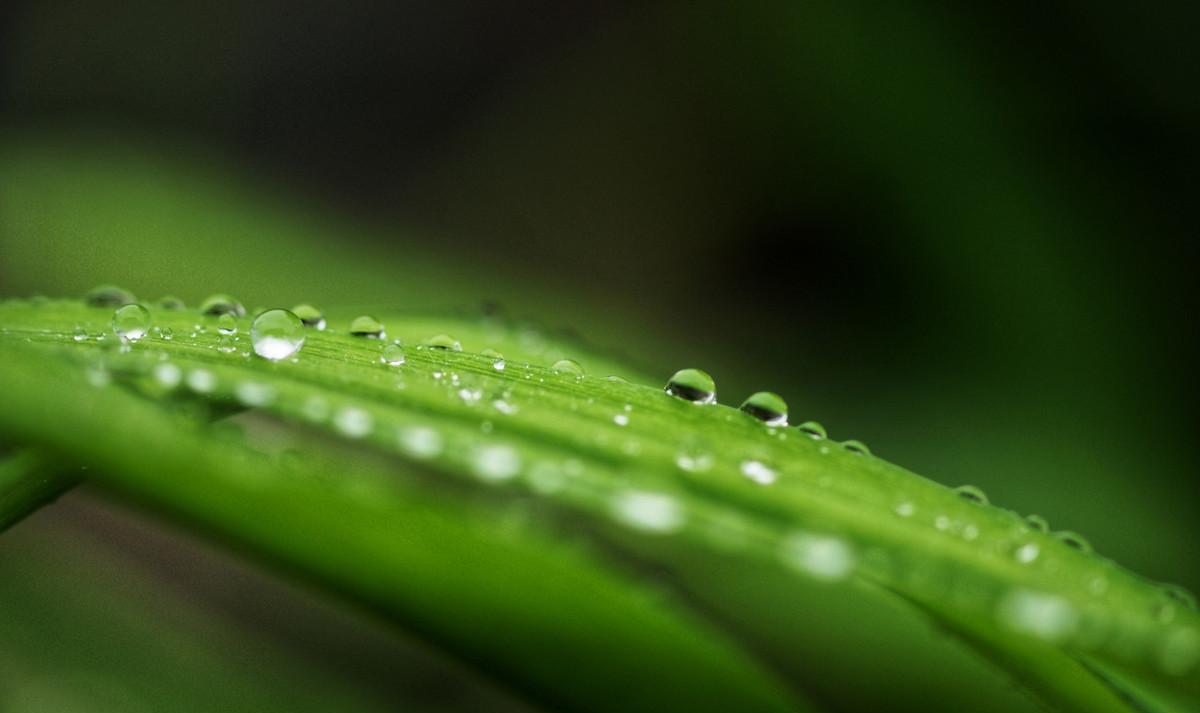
{"points": [[392, 354], [309, 316], [420, 442], [822, 557], [813, 430], [692, 385], [972, 493], [227, 323], [80, 334], [1074, 540], [352, 422], [131, 322], [108, 296], [1027, 553], [367, 326], [1037, 522], [218, 304], [276, 334], [444, 341], [495, 463], [657, 513], [1045, 616], [758, 472], [168, 375], [569, 367], [766, 407], [171, 303], [202, 381], [252, 393], [856, 447]]}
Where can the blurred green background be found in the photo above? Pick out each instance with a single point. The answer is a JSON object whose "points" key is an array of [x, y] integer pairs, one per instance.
{"points": [[963, 235]]}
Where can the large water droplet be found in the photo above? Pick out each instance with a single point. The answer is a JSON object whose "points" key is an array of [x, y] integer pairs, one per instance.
{"points": [[693, 385], [568, 367], [766, 407], [813, 429], [657, 513], [131, 322], [108, 296], [972, 493], [227, 324], [276, 334], [367, 326], [310, 316], [392, 354], [856, 447], [1074, 540], [821, 557], [444, 341], [758, 472], [219, 304]]}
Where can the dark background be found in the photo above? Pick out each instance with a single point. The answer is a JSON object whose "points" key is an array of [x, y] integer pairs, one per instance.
{"points": [[964, 235]]}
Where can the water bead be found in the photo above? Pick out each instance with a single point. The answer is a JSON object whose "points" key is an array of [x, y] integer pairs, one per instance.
{"points": [[131, 322], [758, 472], [227, 324], [692, 385], [392, 354], [1074, 540], [821, 557], [353, 422], [1037, 522], [219, 304], [171, 303], [569, 367], [309, 316], [656, 513], [276, 334], [108, 296], [813, 430], [856, 447], [444, 341], [368, 327], [766, 407], [972, 493]]}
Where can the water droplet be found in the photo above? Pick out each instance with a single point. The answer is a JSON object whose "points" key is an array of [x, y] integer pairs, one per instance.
{"points": [[1179, 595], [444, 341], [694, 461], [166, 334], [367, 326], [97, 375], [80, 334], [1046, 616], [495, 463], [168, 375], [202, 381], [822, 557], [276, 334], [392, 354], [758, 471], [131, 322], [766, 407], [420, 442], [856, 447], [309, 316], [1027, 552], [1037, 522], [568, 367], [315, 409], [621, 419], [251, 393], [1074, 540], [171, 303], [219, 304], [227, 323], [693, 385], [226, 345], [353, 422], [656, 513], [497, 358], [972, 493], [108, 296], [813, 429], [905, 509]]}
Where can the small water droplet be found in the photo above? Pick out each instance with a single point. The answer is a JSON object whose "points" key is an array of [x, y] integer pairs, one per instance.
{"points": [[276, 334], [168, 375], [621, 419], [420, 442], [131, 322], [693, 385], [97, 375], [80, 334], [1045, 616], [251, 393], [166, 334], [218, 304], [758, 472], [568, 367], [1037, 522], [202, 381], [821, 557], [1027, 552], [495, 463], [368, 327], [694, 461], [856, 447], [766, 407], [1074, 540], [309, 316], [353, 422], [392, 354], [651, 512], [972, 493], [226, 345], [444, 341], [1179, 595], [171, 303], [227, 323], [905, 508], [813, 429], [108, 296]]}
